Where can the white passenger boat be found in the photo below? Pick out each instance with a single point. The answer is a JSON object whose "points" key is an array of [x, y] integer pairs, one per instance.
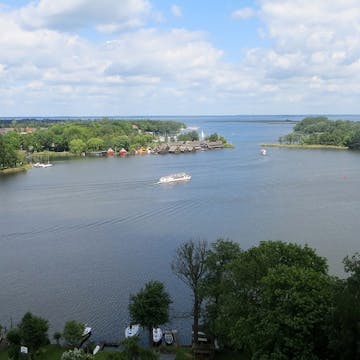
{"points": [[132, 330], [174, 178]]}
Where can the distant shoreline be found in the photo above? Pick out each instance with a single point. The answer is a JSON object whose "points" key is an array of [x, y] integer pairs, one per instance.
{"points": [[15, 170], [298, 146]]}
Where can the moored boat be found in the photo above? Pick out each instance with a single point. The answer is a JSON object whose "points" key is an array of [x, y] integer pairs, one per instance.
{"points": [[168, 337], [132, 330], [96, 349], [174, 178], [87, 331], [41, 165], [157, 336]]}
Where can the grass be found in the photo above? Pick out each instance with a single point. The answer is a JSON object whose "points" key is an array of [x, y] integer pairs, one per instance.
{"points": [[54, 352]]}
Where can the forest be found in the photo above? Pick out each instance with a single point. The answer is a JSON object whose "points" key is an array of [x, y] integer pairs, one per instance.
{"points": [[322, 131]]}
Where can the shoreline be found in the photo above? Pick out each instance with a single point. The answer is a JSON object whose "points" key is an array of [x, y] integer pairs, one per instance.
{"points": [[15, 170], [298, 146]]}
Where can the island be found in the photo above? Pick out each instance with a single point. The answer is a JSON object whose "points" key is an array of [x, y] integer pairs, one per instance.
{"points": [[322, 133]]}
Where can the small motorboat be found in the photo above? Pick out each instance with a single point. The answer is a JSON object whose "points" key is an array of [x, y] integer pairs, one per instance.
{"points": [[157, 336], [263, 151], [132, 330], [87, 331], [168, 337], [202, 338], [96, 349]]}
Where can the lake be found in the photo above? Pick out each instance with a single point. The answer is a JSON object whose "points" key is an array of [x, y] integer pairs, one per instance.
{"points": [[78, 238]]}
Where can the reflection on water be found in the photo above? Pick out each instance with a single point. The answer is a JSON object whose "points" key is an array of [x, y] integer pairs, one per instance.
{"points": [[78, 238]]}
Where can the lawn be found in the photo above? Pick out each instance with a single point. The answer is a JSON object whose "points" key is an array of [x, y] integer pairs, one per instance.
{"points": [[54, 352]]}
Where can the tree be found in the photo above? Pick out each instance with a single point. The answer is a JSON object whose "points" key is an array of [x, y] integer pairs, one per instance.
{"points": [[189, 265], [14, 339], [77, 146], [133, 351], [221, 253], [213, 137], [76, 354], [150, 306], [8, 152], [95, 144], [57, 336], [33, 332], [73, 332], [345, 342], [266, 282], [189, 136], [292, 316]]}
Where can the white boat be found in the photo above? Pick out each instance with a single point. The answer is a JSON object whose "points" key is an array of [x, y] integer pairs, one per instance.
{"points": [[157, 335], [87, 331], [263, 151], [132, 330], [168, 337], [202, 338], [41, 165], [174, 178], [96, 350]]}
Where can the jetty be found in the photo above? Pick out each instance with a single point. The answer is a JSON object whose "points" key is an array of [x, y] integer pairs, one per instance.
{"points": [[178, 147]]}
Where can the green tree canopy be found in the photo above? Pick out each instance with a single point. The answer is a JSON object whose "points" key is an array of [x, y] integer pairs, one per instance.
{"points": [[291, 317], [150, 306], [219, 256], [8, 152], [73, 332], [77, 146], [95, 144], [345, 342], [246, 282], [33, 332]]}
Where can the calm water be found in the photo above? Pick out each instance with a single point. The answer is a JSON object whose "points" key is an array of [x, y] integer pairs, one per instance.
{"points": [[78, 238]]}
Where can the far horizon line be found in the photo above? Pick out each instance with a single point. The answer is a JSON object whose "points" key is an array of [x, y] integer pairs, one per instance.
{"points": [[168, 115]]}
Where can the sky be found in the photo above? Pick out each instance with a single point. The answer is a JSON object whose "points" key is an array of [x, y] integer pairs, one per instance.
{"points": [[186, 57]]}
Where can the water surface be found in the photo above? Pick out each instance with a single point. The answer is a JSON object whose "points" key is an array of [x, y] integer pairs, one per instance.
{"points": [[78, 238]]}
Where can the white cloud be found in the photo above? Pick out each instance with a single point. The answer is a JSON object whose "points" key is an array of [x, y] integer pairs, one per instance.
{"points": [[70, 15], [310, 64], [243, 13], [176, 10]]}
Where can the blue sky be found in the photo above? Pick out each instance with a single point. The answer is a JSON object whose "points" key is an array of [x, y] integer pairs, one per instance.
{"points": [[186, 57]]}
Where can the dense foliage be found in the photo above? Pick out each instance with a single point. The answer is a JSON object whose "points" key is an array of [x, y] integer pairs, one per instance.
{"points": [[322, 131], [73, 332], [9, 156], [150, 306], [31, 333], [85, 135]]}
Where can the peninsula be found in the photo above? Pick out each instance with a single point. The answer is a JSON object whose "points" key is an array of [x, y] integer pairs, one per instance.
{"points": [[27, 140]]}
